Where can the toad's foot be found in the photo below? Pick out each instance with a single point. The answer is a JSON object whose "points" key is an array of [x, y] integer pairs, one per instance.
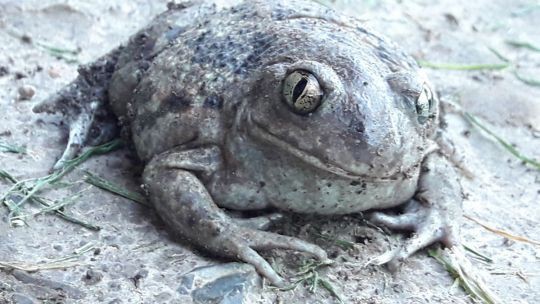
{"points": [[174, 181], [433, 215], [243, 243], [83, 103]]}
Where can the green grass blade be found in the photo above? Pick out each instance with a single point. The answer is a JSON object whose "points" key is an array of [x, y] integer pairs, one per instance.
{"points": [[524, 45], [115, 189], [4, 147], [499, 55], [7, 176], [526, 80], [61, 203], [503, 142], [462, 67], [478, 255], [461, 269], [330, 288]]}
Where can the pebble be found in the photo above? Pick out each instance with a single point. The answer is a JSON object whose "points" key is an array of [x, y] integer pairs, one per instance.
{"points": [[26, 92], [230, 283], [19, 298]]}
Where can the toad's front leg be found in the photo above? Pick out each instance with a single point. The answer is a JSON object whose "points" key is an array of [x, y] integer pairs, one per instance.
{"points": [[174, 180], [434, 213]]}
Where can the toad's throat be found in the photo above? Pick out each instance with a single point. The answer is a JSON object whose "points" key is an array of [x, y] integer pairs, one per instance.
{"points": [[262, 133]]}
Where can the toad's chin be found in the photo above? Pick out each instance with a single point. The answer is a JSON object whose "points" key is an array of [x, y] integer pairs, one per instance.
{"points": [[260, 132]]}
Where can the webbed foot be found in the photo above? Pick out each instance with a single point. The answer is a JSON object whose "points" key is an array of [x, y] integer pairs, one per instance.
{"points": [[433, 215], [85, 113], [245, 244]]}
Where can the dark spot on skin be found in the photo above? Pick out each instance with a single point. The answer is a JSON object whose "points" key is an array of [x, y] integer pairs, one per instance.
{"points": [[329, 185], [213, 102], [145, 45], [365, 83], [262, 184], [174, 102], [357, 126], [359, 192], [191, 221], [355, 183]]}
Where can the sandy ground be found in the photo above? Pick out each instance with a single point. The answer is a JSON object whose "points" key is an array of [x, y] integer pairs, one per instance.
{"points": [[133, 260]]}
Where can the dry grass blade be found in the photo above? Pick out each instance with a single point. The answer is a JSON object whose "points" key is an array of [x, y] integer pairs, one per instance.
{"points": [[463, 67], [503, 142], [37, 267], [60, 263], [463, 271], [503, 233], [115, 189]]}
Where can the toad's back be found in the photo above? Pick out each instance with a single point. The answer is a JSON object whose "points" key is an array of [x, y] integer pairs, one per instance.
{"points": [[177, 82], [170, 80]]}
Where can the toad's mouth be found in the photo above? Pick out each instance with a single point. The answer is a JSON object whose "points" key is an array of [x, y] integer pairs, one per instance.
{"points": [[262, 133]]}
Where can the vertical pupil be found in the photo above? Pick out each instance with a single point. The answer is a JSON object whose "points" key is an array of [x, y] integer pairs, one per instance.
{"points": [[299, 89]]}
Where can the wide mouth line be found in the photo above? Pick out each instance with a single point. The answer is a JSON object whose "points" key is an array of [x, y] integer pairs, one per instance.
{"points": [[262, 133]]}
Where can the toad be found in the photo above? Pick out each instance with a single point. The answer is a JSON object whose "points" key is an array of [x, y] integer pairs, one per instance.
{"points": [[269, 104]]}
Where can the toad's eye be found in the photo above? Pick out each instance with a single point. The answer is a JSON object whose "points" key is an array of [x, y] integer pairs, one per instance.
{"points": [[424, 104], [302, 92]]}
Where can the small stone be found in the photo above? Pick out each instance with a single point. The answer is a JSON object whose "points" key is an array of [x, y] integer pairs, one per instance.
{"points": [[225, 284], [26, 38], [92, 277], [19, 298], [53, 72], [26, 92], [3, 71]]}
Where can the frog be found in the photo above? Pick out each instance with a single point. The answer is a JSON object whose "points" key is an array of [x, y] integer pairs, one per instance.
{"points": [[274, 107]]}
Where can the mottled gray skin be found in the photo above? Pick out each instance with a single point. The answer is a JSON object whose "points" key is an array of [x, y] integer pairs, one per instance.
{"points": [[199, 92]]}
